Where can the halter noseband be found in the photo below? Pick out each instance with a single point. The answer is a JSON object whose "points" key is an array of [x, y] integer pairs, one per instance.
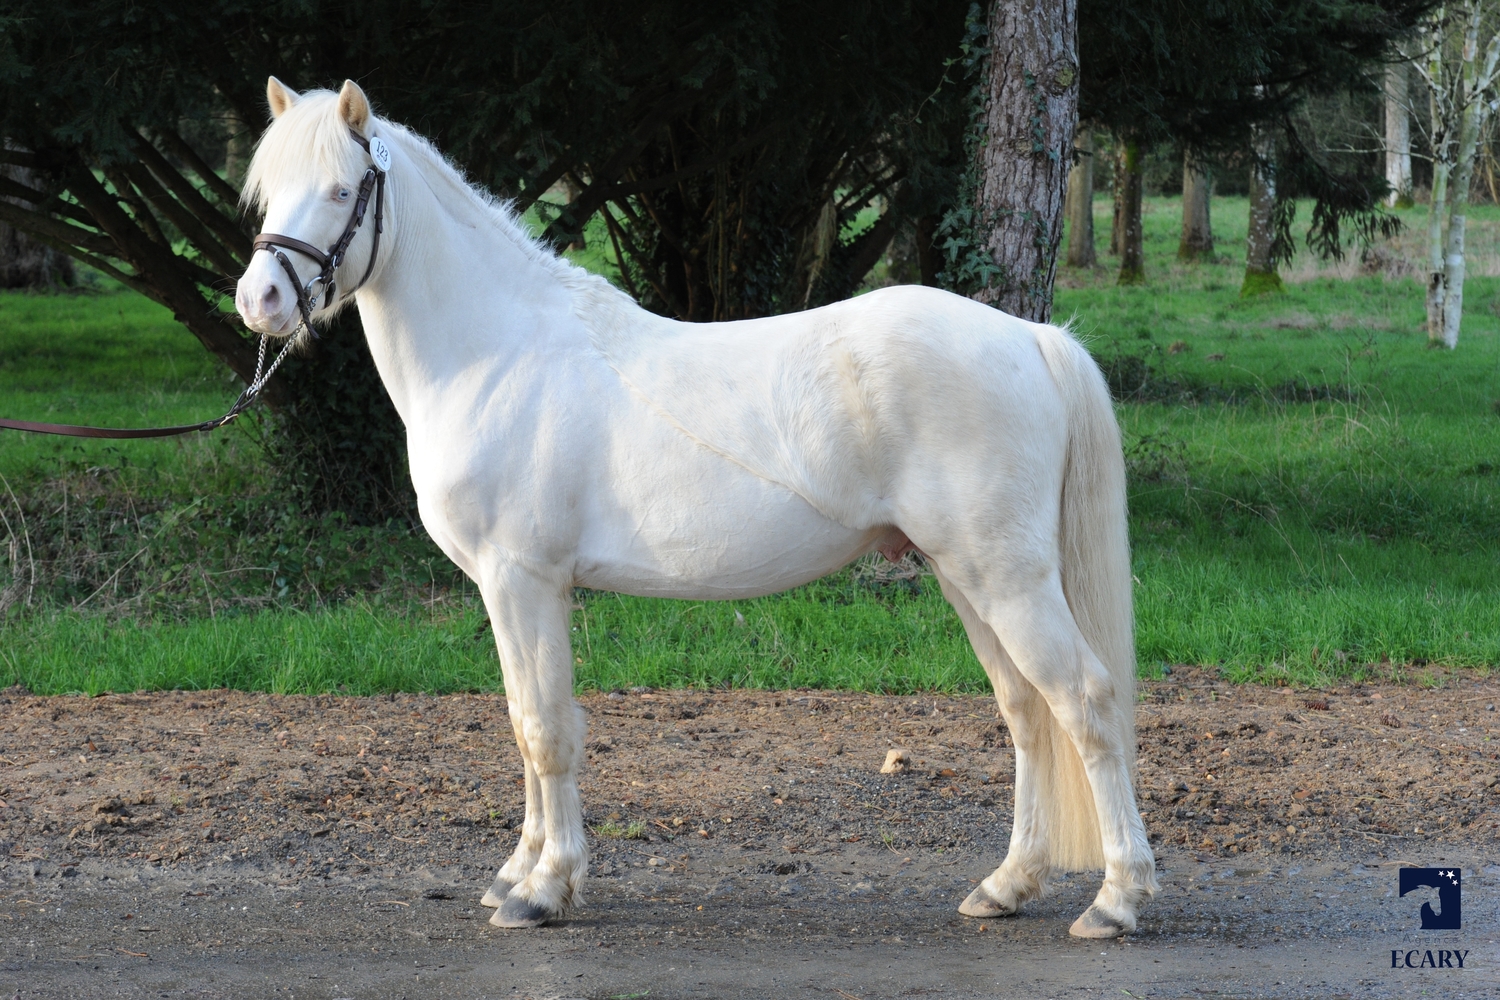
{"points": [[374, 180]]}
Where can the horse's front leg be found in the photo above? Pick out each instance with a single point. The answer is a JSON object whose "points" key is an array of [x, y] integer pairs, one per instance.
{"points": [[533, 833], [529, 613]]}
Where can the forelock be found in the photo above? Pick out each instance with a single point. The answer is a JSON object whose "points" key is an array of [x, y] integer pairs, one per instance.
{"points": [[309, 136]]}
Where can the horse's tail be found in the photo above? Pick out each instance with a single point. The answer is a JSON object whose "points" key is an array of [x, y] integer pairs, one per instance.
{"points": [[1096, 580]]}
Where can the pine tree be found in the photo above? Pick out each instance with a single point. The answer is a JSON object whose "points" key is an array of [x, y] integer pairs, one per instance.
{"points": [[1031, 86]]}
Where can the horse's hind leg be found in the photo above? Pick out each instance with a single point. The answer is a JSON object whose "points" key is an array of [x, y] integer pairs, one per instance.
{"points": [[1026, 869], [1037, 633], [1037, 629], [530, 617]]}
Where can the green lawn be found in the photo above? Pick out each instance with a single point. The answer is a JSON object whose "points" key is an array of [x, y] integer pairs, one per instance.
{"points": [[1272, 534], [111, 358], [1314, 494]]}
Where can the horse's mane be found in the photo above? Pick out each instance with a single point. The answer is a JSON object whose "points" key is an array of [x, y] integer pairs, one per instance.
{"points": [[313, 127]]}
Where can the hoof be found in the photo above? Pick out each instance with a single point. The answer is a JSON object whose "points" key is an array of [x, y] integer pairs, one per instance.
{"points": [[981, 904], [495, 894], [1095, 923], [518, 912]]}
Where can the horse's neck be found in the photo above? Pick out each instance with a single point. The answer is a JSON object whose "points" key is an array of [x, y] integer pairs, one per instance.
{"points": [[456, 296]]}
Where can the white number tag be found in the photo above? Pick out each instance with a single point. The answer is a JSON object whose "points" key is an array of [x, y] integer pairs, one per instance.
{"points": [[380, 153]]}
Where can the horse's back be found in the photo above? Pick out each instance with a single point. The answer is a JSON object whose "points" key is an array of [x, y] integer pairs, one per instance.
{"points": [[863, 407]]}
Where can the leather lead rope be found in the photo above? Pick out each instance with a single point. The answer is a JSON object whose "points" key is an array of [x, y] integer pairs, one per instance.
{"points": [[374, 180], [252, 391]]}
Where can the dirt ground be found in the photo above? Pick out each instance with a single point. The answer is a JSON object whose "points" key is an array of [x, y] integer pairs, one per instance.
{"points": [[744, 844]]}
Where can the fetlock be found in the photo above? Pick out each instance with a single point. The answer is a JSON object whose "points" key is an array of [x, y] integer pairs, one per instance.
{"points": [[1008, 887]]}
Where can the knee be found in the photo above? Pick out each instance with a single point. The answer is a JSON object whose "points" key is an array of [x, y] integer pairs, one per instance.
{"points": [[554, 746]]}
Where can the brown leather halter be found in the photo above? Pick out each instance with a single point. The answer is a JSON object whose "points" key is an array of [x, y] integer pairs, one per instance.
{"points": [[374, 180]]}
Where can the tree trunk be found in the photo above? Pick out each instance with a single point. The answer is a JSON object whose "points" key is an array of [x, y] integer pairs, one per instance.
{"points": [[1474, 113], [929, 261], [26, 262], [1117, 191], [1437, 278], [1081, 204], [1397, 136], [1260, 268], [1197, 232], [1031, 85], [1132, 238], [238, 149], [1442, 141]]}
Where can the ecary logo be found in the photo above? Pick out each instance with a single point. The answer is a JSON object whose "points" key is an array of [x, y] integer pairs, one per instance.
{"points": [[1448, 883]]}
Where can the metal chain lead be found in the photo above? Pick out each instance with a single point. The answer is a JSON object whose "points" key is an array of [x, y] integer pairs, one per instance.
{"points": [[258, 382]]}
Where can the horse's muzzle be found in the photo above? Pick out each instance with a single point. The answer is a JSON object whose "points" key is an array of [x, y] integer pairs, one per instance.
{"points": [[262, 302]]}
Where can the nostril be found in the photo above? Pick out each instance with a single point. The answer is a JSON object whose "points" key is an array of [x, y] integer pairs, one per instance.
{"points": [[271, 300]]}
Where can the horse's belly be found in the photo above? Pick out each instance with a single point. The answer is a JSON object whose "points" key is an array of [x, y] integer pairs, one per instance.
{"points": [[717, 532]]}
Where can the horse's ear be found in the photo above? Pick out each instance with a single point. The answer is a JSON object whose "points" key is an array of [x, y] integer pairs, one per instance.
{"points": [[279, 96], [354, 107]]}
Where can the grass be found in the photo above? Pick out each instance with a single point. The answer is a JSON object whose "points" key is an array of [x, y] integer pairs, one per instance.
{"points": [[354, 648], [1314, 495], [1306, 539], [112, 358], [849, 631], [635, 830]]}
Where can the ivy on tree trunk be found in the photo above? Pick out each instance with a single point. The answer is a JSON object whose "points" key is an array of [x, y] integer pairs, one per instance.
{"points": [[1117, 198]]}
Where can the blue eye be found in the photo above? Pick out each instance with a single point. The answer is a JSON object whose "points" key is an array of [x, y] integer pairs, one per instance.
{"points": [[343, 194]]}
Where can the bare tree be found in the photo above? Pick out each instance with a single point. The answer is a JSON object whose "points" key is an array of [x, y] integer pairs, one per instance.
{"points": [[1461, 94], [1398, 134], [1031, 110], [1081, 203], [1197, 241]]}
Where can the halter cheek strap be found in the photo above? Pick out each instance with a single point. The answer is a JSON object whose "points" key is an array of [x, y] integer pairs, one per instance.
{"points": [[330, 260]]}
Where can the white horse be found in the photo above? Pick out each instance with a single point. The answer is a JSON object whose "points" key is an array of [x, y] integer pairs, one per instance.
{"points": [[562, 436]]}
